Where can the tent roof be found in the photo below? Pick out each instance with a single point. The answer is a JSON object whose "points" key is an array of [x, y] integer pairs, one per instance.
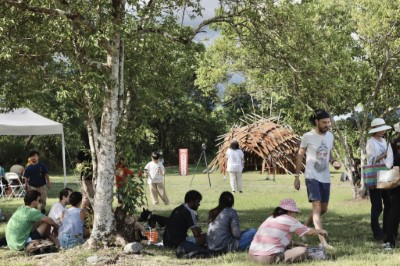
{"points": [[23, 121]]}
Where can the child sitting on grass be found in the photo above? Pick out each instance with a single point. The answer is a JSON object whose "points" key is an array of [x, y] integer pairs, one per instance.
{"points": [[71, 231]]}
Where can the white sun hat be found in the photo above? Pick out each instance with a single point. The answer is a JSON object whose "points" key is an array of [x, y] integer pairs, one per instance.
{"points": [[378, 124]]}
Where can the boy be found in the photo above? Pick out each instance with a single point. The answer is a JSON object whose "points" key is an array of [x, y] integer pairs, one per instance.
{"points": [[155, 172], [37, 177]]}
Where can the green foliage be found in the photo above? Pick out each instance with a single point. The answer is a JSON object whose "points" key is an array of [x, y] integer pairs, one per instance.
{"points": [[132, 194]]}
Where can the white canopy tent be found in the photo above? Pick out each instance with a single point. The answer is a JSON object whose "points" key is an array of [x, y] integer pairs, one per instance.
{"points": [[24, 122]]}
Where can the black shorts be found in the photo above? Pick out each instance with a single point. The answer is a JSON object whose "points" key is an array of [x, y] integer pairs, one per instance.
{"points": [[35, 235]]}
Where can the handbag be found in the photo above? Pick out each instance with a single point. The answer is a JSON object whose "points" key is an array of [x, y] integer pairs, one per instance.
{"points": [[370, 174], [388, 179]]}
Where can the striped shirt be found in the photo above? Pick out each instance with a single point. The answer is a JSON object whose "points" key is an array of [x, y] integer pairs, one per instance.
{"points": [[274, 235]]}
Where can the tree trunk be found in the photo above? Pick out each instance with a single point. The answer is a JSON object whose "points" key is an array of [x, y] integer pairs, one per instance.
{"points": [[104, 222]]}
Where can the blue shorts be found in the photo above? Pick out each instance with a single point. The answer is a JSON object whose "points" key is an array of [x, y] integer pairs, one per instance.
{"points": [[318, 191]]}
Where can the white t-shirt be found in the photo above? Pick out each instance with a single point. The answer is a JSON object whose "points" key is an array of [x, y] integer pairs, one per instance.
{"points": [[375, 148], [235, 160], [317, 155], [156, 172], [56, 213]]}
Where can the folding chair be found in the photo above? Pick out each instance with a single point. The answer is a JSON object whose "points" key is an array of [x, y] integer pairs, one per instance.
{"points": [[17, 188]]}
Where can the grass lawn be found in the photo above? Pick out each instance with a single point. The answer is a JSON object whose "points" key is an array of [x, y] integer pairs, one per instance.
{"points": [[347, 222]]}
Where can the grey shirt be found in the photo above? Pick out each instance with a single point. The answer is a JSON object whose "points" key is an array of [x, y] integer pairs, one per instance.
{"points": [[224, 232]]}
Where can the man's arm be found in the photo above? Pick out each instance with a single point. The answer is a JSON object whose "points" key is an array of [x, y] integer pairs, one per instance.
{"points": [[335, 163], [200, 238], [47, 180], [299, 162], [49, 221]]}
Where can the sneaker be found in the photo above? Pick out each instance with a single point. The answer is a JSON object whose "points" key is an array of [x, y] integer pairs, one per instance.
{"points": [[387, 246]]}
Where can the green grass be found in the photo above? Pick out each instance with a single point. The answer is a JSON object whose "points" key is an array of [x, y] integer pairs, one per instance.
{"points": [[347, 222]]}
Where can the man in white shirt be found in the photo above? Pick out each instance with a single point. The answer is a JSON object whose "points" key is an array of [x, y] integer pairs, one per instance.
{"points": [[58, 208], [317, 146]]}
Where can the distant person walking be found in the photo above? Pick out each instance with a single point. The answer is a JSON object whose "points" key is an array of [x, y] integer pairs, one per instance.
{"points": [[37, 178], [235, 165], [155, 172], [317, 145]]}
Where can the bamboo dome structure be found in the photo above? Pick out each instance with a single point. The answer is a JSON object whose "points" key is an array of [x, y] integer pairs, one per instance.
{"points": [[266, 146]]}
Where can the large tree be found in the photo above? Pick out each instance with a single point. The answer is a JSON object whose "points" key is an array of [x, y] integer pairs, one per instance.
{"points": [[89, 40], [339, 55]]}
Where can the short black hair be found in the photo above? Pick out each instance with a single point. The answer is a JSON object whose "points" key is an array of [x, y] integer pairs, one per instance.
{"points": [[75, 198], [31, 196], [234, 145], [192, 195], [318, 115], [33, 152], [155, 155], [64, 193]]}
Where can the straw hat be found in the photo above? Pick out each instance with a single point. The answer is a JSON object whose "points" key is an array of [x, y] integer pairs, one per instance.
{"points": [[377, 125]]}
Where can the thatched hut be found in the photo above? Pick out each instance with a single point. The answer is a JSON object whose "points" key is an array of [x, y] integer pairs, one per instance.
{"points": [[265, 144]]}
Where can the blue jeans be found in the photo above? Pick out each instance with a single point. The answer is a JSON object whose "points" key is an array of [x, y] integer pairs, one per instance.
{"points": [[71, 241], [245, 238], [377, 197]]}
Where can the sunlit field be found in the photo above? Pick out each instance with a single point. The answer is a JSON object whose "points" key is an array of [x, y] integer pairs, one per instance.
{"points": [[347, 222]]}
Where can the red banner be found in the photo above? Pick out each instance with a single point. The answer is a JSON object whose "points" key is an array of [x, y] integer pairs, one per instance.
{"points": [[183, 161]]}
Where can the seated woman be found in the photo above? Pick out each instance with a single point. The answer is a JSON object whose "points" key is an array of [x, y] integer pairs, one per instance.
{"points": [[71, 231], [223, 229], [270, 244], [18, 168]]}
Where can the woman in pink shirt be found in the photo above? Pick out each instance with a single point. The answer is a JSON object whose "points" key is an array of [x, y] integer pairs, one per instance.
{"points": [[270, 244]]}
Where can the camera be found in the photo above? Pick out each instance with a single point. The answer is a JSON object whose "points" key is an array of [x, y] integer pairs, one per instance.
{"points": [[203, 146]]}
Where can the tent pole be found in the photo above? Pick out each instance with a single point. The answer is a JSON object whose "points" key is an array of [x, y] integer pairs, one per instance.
{"points": [[63, 158]]}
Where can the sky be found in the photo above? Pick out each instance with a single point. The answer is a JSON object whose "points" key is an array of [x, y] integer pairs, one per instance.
{"points": [[208, 37]]}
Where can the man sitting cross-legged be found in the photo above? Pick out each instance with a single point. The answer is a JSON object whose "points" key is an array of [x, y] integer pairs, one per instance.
{"points": [[58, 208], [27, 226], [181, 220]]}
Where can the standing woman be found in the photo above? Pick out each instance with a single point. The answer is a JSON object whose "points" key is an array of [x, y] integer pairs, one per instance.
{"points": [[378, 153], [235, 164], [223, 229]]}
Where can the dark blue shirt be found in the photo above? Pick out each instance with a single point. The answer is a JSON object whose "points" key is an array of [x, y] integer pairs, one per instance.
{"points": [[36, 174]]}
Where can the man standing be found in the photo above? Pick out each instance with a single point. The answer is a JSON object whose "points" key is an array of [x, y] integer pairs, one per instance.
{"points": [[317, 146], [19, 233], [181, 220], [58, 207], [37, 177]]}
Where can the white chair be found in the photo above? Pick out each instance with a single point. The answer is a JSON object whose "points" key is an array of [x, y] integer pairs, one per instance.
{"points": [[17, 188]]}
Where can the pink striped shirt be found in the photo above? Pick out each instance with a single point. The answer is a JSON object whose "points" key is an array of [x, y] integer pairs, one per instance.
{"points": [[275, 234]]}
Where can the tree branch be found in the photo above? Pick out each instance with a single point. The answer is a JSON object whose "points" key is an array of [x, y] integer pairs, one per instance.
{"points": [[54, 12]]}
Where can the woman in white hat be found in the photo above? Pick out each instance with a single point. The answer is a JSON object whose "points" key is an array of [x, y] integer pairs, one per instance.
{"points": [[394, 216], [270, 244], [378, 153]]}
